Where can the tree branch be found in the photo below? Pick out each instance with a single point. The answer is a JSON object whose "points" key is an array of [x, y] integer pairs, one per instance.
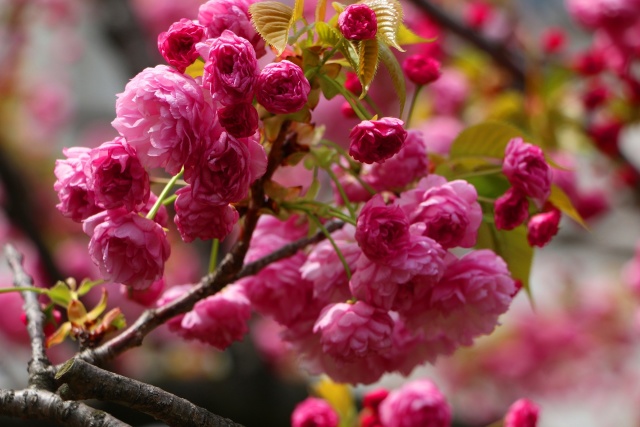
{"points": [[40, 369], [44, 405], [85, 381], [498, 51]]}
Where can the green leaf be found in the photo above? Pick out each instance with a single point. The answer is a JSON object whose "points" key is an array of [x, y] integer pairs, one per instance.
{"points": [[273, 21], [328, 35], [60, 294], [389, 15], [321, 11], [99, 308], [338, 7], [561, 201], [512, 246], [368, 63], [405, 36], [488, 139], [395, 71], [330, 87], [87, 285], [59, 335], [298, 11], [76, 312]]}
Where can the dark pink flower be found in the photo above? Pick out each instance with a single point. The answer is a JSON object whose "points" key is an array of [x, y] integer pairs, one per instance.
{"points": [[526, 168], [511, 209], [231, 69], [382, 231], [239, 120], [145, 297], [163, 114], [448, 212], [223, 171], [421, 69], [218, 320], [195, 219], [542, 227], [352, 83], [358, 22], [116, 176], [407, 165], [314, 412], [76, 199], [220, 15], [127, 247], [178, 45], [522, 413], [377, 140], [352, 331], [417, 404], [282, 87]]}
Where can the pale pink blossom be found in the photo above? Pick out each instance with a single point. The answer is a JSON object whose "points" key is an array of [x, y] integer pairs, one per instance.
{"points": [[218, 320], [195, 219], [542, 227], [374, 141], [127, 248], [314, 412], [522, 413], [474, 291], [223, 170], [231, 69], [449, 93], [325, 270], [352, 331], [116, 176], [76, 199], [526, 168], [439, 133], [382, 231], [418, 403], [220, 15], [240, 120], [407, 165], [164, 115], [358, 22], [282, 87], [511, 209], [177, 45], [448, 212]]}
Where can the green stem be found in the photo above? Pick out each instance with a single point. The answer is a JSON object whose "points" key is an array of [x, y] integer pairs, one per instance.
{"points": [[343, 193], [156, 206], [483, 172], [413, 103], [213, 257], [41, 291], [333, 242], [170, 199], [359, 109], [486, 200], [373, 105]]}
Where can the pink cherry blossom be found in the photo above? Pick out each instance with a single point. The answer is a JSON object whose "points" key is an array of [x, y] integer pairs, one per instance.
{"points": [[352, 331], [314, 412], [448, 212], [382, 231], [239, 120], [127, 248], [358, 22], [222, 171], [526, 168], [231, 69], [218, 320], [282, 87], [145, 297], [416, 404], [195, 219], [178, 44], [522, 413], [76, 199], [220, 15], [116, 176], [439, 132], [511, 209], [164, 115], [421, 69], [169, 295], [407, 165], [374, 141], [449, 92], [542, 227]]}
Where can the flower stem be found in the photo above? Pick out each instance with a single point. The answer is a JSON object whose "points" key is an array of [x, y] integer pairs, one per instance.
{"points": [[213, 257], [413, 103], [333, 242], [156, 206], [343, 193]]}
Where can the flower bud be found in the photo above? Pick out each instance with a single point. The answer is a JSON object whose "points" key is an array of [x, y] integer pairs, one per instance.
{"points": [[178, 45], [358, 22], [523, 413], [511, 209], [377, 140], [421, 69], [542, 227], [314, 412], [282, 87]]}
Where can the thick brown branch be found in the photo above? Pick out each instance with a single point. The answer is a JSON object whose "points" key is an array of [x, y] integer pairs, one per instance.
{"points": [[498, 51], [85, 381], [44, 405], [40, 370]]}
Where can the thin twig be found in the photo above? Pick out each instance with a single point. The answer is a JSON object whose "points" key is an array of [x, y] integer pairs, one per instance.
{"points": [[82, 380], [44, 405], [498, 51], [40, 370]]}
